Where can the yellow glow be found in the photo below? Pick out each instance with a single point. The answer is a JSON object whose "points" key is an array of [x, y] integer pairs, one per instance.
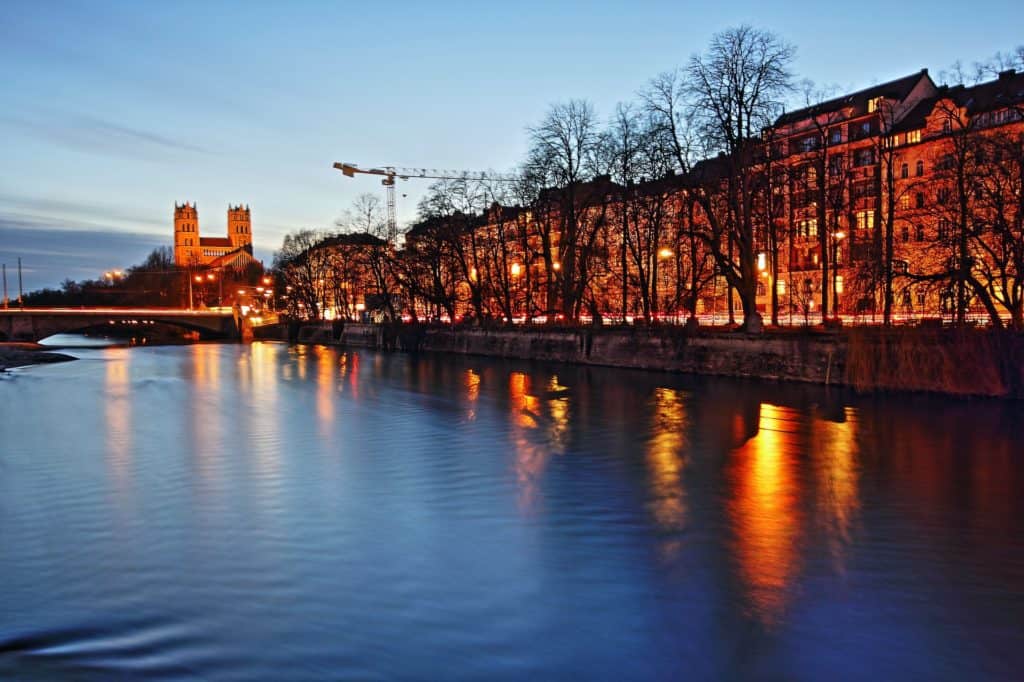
{"points": [[324, 388], [515, 269], [471, 380], [531, 458], [762, 261], [556, 265], [558, 406], [835, 449], [665, 459], [665, 253], [840, 235], [765, 510], [117, 400]]}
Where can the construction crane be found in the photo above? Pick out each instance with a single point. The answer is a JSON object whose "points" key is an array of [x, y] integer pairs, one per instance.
{"points": [[391, 173]]}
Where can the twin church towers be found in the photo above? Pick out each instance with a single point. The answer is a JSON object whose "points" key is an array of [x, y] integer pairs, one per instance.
{"points": [[191, 250]]}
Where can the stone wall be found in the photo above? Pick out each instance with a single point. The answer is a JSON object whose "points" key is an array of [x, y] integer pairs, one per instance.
{"points": [[790, 357]]}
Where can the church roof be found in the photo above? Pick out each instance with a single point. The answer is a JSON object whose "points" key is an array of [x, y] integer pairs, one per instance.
{"points": [[215, 241]]}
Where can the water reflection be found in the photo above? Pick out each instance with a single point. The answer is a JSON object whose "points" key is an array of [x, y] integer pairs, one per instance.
{"points": [[665, 460], [472, 383], [765, 511], [833, 446], [117, 402], [480, 519], [531, 456]]}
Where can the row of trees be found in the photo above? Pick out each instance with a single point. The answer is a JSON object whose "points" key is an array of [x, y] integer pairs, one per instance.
{"points": [[155, 282], [678, 190]]}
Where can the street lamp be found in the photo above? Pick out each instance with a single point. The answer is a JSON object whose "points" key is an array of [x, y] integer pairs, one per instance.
{"points": [[664, 253], [836, 238]]}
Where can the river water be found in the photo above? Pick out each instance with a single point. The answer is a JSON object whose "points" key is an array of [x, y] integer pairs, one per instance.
{"points": [[287, 513]]}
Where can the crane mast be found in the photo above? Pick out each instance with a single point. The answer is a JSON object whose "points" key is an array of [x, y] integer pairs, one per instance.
{"points": [[391, 173]]}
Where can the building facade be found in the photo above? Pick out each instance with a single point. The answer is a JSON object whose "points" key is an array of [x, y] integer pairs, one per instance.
{"points": [[192, 250]]}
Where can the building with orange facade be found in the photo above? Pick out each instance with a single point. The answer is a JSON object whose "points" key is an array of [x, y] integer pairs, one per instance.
{"points": [[192, 250], [905, 198]]}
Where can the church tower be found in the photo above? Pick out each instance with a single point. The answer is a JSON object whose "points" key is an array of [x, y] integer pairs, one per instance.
{"points": [[186, 235], [239, 226]]}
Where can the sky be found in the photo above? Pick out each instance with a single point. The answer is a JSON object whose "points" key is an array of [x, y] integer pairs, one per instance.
{"points": [[110, 112]]}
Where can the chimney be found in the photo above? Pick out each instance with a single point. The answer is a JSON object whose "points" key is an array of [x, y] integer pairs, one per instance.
{"points": [[1008, 74]]}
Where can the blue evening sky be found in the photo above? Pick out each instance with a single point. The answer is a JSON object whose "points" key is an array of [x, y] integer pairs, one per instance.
{"points": [[110, 112]]}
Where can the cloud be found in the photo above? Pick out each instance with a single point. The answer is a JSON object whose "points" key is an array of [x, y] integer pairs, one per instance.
{"points": [[50, 255], [53, 212], [91, 134]]}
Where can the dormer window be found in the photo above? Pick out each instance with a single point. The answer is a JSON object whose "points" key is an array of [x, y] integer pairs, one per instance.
{"points": [[913, 137], [874, 104]]}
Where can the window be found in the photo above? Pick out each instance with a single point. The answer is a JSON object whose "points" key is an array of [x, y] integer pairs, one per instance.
{"points": [[920, 298], [835, 135], [807, 228], [894, 141], [904, 171], [864, 157], [809, 143], [835, 164], [947, 126], [943, 195], [905, 201], [865, 220], [913, 137], [920, 233], [919, 200], [905, 234], [945, 227], [919, 168]]}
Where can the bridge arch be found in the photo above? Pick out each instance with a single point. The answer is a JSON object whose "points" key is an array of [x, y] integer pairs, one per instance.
{"points": [[35, 325]]}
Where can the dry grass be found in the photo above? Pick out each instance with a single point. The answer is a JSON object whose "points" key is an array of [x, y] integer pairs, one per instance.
{"points": [[953, 361]]}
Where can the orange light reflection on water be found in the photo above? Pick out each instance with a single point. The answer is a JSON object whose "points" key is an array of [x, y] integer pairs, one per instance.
{"points": [[665, 459], [764, 511], [530, 457], [118, 412]]}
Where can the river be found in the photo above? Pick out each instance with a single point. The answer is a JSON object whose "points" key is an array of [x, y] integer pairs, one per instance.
{"points": [[261, 511]]}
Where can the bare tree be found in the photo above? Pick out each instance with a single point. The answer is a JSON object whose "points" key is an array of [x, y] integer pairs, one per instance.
{"points": [[566, 152], [736, 88]]}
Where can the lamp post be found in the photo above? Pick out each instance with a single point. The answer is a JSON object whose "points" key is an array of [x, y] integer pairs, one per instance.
{"points": [[836, 238], [515, 271], [664, 253]]}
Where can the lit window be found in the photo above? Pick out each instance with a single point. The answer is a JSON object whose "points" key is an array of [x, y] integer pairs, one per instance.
{"points": [[873, 104], [913, 137]]}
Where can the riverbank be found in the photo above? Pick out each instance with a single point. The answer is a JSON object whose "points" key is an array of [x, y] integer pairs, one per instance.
{"points": [[15, 354], [964, 362]]}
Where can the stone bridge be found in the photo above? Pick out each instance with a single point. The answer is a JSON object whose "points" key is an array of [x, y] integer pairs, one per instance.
{"points": [[34, 324]]}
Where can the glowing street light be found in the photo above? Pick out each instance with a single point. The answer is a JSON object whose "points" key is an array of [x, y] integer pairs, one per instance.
{"points": [[516, 269], [664, 253]]}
